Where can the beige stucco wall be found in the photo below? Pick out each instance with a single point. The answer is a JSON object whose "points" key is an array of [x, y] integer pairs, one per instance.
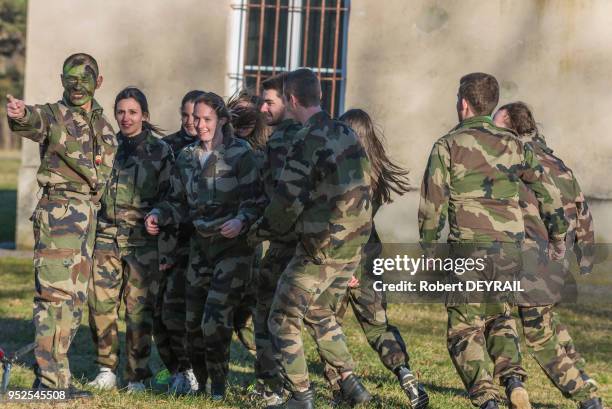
{"points": [[164, 47], [405, 59], [404, 62]]}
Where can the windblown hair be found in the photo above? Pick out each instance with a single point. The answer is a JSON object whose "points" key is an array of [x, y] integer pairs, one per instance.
{"points": [[218, 105], [521, 118], [387, 176], [481, 91], [245, 112], [139, 96]]}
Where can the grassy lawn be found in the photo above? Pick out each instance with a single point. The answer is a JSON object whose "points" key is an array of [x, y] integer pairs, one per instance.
{"points": [[9, 167], [423, 327]]}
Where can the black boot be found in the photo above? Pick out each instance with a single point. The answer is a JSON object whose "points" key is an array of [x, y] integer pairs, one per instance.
{"points": [[490, 404], [414, 390], [593, 403], [217, 391], [516, 393], [353, 391], [301, 400]]}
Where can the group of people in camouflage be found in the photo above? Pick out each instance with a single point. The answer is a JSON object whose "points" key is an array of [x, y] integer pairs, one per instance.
{"points": [[509, 198], [173, 226]]}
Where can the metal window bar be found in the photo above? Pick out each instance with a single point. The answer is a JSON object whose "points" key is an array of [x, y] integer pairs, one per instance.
{"points": [[318, 27]]}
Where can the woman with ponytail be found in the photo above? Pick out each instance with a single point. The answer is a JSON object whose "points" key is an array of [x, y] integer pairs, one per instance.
{"points": [[214, 185], [126, 258]]}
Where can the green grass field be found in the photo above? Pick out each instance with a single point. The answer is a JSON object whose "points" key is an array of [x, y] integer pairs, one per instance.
{"points": [[423, 327]]}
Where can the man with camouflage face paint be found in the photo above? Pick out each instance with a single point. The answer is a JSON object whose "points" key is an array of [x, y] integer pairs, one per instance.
{"points": [[77, 149]]}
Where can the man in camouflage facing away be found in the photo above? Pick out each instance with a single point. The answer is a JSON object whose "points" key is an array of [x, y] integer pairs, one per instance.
{"points": [[473, 176], [77, 149], [548, 341], [324, 194], [170, 306]]}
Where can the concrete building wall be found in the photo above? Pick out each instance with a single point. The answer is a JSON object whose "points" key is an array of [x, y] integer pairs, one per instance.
{"points": [[163, 47], [405, 59], [404, 62]]}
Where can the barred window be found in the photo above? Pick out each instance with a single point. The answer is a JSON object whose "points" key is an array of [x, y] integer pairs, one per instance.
{"points": [[280, 35]]}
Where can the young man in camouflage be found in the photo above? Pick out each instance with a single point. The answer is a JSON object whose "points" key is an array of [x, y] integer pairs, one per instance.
{"points": [[170, 306], [473, 176], [77, 149], [324, 195], [126, 257], [282, 247], [547, 340]]}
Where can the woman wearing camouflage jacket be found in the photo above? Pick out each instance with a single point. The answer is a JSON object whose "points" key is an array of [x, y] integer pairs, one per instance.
{"points": [[126, 258], [215, 185]]}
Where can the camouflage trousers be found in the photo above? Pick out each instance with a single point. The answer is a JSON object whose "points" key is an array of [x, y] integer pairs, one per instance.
{"points": [[216, 284], [169, 315], [370, 310], [244, 317], [267, 370], [296, 303], [64, 234], [131, 275], [550, 345], [478, 330]]}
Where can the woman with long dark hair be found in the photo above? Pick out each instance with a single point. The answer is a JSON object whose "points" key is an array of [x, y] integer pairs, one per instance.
{"points": [[551, 343], [214, 185], [126, 266], [369, 306]]}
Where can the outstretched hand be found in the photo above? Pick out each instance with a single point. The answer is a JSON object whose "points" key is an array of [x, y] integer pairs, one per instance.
{"points": [[15, 108]]}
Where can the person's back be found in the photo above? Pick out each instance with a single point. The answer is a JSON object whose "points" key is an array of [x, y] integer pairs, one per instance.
{"points": [[337, 211]]}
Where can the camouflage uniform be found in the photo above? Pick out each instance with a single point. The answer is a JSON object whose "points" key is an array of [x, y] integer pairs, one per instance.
{"points": [[370, 310], [473, 177], [77, 150], [226, 186], [169, 313], [280, 252], [126, 257], [324, 194], [547, 340]]}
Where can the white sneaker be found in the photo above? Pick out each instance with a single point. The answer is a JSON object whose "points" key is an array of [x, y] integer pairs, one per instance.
{"points": [[105, 380], [135, 387], [191, 382], [178, 384]]}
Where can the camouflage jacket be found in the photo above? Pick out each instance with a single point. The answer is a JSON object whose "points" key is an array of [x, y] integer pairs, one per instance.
{"points": [[138, 181], [473, 176], [580, 233], [77, 148], [323, 192], [226, 187], [179, 140], [277, 148]]}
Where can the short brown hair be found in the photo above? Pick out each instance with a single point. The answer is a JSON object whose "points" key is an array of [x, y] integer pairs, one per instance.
{"points": [[276, 83], [521, 118], [305, 86], [481, 91]]}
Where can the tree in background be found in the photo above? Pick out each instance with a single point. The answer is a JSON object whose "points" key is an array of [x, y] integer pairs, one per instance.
{"points": [[12, 61]]}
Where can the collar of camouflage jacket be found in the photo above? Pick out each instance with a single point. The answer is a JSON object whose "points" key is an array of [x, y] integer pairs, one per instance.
{"points": [[286, 123], [95, 108], [538, 139], [476, 122], [317, 118]]}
